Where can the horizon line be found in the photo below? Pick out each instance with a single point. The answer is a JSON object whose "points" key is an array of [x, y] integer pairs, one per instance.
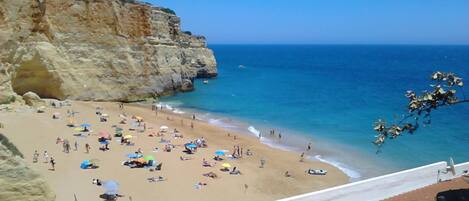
{"points": [[345, 44]]}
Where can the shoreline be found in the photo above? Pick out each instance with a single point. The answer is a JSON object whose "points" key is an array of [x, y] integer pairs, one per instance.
{"points": [[291, 139], [264, 184]]}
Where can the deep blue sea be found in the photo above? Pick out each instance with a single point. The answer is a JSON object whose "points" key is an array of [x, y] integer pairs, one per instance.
{"points": [[331, 95]]}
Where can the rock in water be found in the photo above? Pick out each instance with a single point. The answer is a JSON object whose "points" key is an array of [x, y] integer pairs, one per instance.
{"points": [[32, 99], [103, 50]]}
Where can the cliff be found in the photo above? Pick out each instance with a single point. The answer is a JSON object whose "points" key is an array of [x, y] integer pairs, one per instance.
{"points": [[17, 181], [103, 50]]}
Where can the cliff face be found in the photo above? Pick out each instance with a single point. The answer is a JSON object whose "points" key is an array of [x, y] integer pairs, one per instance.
{"points": [[17, 181], [96, 50]]}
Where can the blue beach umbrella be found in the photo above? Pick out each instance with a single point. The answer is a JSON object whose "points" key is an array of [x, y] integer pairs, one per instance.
{"points": [[220, 153], [105, 142], [85, 125], [133, 155], [85, 164], [110, 187], [191, 145]]}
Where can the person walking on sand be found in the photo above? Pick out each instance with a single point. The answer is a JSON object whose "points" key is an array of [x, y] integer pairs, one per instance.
{"points": [[192, 125], [87, 147], [76, 146], [35, 156], [193, 117], [46, 157], [279, 136], [52, 163], [302, 157], [262, 163], [309, 147]]}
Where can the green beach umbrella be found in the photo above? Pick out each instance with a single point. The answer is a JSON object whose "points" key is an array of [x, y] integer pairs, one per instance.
{"points": [[148, 158]]}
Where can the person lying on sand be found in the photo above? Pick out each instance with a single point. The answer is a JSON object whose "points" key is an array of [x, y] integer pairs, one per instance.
{"points": [[184, 158], [205, 163], [217, 158], [97, 182], [287, 174], [156, 179], [199, 185], [211, 175], [235, 171]]}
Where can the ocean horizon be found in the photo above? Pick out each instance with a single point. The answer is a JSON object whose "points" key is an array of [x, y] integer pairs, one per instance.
{"points": [[331, 95]]}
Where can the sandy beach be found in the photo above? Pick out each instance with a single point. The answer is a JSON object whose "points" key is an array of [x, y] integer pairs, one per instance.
{"points": [[31, 131]]}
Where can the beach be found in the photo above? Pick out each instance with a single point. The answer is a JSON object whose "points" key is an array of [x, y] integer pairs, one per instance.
{"points": [[31, 131]]}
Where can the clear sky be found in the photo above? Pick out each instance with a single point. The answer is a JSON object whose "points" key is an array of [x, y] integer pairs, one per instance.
{"points": [[325, 21]]}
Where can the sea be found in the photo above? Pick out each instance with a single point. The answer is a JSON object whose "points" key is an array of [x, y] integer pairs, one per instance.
{"points": [[330, 96]]}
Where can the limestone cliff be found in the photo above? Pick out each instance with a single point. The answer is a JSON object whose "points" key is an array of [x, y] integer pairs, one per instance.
{"points": [[17, 181], [96, 50]]}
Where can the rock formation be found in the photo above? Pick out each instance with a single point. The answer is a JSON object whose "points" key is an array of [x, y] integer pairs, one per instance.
{"points": [[101, 50], [17, 181], [32, 99]]}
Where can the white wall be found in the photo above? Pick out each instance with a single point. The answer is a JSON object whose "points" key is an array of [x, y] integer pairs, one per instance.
{"points": [[382, 187]]}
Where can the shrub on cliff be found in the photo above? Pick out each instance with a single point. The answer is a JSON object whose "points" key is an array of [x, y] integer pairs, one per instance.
{"points": [[168, 10]]}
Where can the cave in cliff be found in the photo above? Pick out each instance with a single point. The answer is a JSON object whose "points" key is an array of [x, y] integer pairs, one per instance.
{"points": [[35, 77]]}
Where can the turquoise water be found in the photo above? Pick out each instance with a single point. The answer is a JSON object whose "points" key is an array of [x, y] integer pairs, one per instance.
{"points": [[332, 95]]}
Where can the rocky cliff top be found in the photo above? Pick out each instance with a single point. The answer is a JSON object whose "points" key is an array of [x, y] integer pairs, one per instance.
{"points": [[119, 50]]}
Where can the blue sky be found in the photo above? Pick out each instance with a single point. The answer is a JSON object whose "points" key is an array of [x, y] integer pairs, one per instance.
{"points": [[325, 21]]}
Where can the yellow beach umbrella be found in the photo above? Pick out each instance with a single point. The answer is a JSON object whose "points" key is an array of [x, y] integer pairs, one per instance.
{"points": [[226, 165], [128, 136]]}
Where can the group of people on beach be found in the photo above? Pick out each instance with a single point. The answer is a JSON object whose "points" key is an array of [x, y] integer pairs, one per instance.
{"points": [[46, 157], [190, 147]]}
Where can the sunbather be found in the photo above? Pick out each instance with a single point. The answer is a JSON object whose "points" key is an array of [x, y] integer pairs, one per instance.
{"points": [[211, 175]]}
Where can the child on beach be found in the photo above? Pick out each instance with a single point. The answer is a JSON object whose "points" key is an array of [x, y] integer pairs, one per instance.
{"points": [[87, 147], [35, 156], [46, 157], [52, 163]]}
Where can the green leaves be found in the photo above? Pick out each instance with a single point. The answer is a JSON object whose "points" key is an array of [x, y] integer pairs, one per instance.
{"points": [[443, 93]]}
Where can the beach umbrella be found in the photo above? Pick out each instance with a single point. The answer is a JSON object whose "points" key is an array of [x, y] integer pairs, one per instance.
{"points": [[85, 125], [139, 118], [134, 155], [104, 134], [110, 187], [149, 158], [226, 165], [85, 164], [128, 136], [122, 116], [164, 128], [191, 145], [104, 115], [140, 160], [56, 114], [220, 153]]}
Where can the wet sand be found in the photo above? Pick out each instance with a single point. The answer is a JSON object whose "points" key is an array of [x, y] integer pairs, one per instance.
{"points": [[31, 131]]}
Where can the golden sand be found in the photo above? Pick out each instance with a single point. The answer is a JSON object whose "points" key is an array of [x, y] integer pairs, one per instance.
{"points": [[31, 131]]}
